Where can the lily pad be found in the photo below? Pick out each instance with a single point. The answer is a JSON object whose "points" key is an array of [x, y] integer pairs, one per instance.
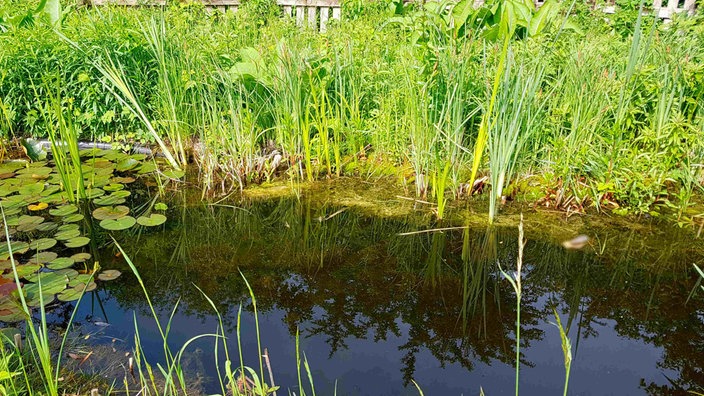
{"points": [[46, 226], [66, 227], [63, 210], [18, 247], [77, 242], [60, 263], [174, 174], [114, 187], [42, 244], [154, 219], [73, 218], [67, 234], [111, 212], [80, 257], [32, 189], [71, 294], [109, 275], [92, 193], [122, 223], [81, 279], [29, 223], [126, 165], [24, 270], [43, 257], [109, 200]]}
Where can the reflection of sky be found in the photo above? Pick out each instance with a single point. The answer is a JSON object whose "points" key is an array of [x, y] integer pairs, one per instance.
{"points": [[604, 365]]}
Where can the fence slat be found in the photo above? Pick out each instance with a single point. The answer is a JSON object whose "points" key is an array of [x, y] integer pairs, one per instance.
{"points": [[299, 16], [324, 14], [336, 13], [288, 11], [312, 17], [689, 6]]}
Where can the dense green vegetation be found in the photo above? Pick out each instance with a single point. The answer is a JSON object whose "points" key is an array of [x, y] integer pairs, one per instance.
{"points": [[575, 110]]}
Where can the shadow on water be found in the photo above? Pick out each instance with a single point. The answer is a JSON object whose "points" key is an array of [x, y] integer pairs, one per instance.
{"points": [[427, 306]]}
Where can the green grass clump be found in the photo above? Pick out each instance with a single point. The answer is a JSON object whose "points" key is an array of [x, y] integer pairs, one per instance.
{"points": [[612, 118]]}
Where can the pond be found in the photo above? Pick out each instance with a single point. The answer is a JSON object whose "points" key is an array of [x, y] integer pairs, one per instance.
{"points": [[376, 302]]}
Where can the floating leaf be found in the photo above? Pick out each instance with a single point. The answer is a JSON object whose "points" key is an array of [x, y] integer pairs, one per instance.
{"points": [[76, 242], [51, 283], [109, 275], [111, 212], [92, 193], [126, 164], [114, 187], [46, 226], [88, 286], [122, 223], [42, 244], [24, 270], [147, 167], [29, 223], [91, 152], [174, 174], [71, 294], [160, 206], [63, 210], [154, 219], [38, 207], [73, 218], [109, 200], [33, 298], [60, 263], [123, 180], [80, 279], [18, 247], [32, 189], [121, 194], [67, 234], [43, 257], [66, 227], [80, 257]]}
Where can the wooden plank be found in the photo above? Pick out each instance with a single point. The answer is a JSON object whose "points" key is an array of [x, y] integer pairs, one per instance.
{"points": [[310, 3], [300, 15], [288, 11], [221, 8], [657, 5], [312, 17], [222, 2], [672, 4], [324, 15], [689, 6], [336, 13]]}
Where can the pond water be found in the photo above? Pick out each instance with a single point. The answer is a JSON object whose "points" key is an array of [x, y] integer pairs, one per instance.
{"points": [[375, 309]]}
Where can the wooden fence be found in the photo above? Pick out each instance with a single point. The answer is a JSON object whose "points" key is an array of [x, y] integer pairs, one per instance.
{"points": [[316, 14]]}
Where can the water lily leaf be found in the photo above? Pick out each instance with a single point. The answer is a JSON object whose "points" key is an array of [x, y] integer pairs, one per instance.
{"points": [[49, 190], [69, 273], [73, 218], [173, 174], [24, 270], [161, 206], [37, 207], [29, 223], [109, 275], [138, 157], [43, 257], [123, 180], [80, 257], [35, 170], [126, 164], [114, 187], [34, 301], [67, 234], [46, 226], [91, 152], [114, 155], [71, 294], [88, 286], [147, 167], [60, 263], [6, 190], [81, 279], [13, 221], [94, 192], [76, 242], [63, 210], [66, 227], [32, 189], [18, 247], [154, 219], [51, 283], [109, 200], [42, 244], [58, 197], [111, 212], [121, 194], [122, 223], [12, 212]]}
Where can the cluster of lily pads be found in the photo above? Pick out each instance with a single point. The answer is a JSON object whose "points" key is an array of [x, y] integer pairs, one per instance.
{"points": [[45, 229]]}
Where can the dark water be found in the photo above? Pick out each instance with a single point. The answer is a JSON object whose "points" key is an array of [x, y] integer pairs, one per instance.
{"points": [[376, 310]]}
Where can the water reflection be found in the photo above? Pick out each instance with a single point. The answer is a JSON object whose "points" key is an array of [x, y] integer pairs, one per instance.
{"points": [[343, 276]]}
